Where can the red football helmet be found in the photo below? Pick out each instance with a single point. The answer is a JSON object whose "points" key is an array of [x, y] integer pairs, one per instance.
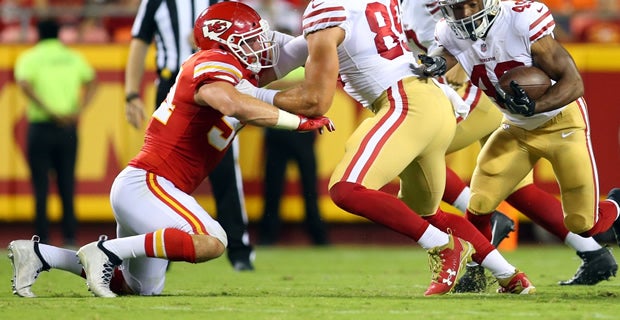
{"points": [[237, 28]]}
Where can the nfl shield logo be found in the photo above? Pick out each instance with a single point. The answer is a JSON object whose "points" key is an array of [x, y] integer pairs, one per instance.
{"points": [[483, 47]]}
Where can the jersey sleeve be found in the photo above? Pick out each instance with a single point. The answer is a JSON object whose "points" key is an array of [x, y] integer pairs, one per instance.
{"points": [[216, 65], [443, 36], [534, 19], [322, 14]]}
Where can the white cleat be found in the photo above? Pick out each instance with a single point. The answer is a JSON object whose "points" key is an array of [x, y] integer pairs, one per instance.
{"points": [[26, 265], [98, 268]]}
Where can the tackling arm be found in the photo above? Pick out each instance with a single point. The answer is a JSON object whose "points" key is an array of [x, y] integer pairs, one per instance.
{"points": [[225, 98], [551, 57]]}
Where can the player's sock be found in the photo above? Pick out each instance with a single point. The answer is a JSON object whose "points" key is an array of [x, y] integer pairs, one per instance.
{"points": [[580, 243], [60, 258], [541, 207], [546, 211], [379, 207], [126, 247], [171, 244], [481, 222], [168, 243], [433, 237], [497, 264], [457, 193], [607, 214], [461, 228]]}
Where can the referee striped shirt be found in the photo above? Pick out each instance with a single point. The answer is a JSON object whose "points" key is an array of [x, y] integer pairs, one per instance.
{"points": [[170, 23]]}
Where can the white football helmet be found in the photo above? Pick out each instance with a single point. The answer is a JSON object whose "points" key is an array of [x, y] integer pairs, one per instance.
{"points": [[473, 26]]}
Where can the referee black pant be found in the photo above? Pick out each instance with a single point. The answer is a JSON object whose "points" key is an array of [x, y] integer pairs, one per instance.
{"points": [[52, 149]]}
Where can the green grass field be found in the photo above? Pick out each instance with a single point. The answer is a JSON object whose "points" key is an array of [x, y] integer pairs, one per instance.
{"points": [[322, 283]]}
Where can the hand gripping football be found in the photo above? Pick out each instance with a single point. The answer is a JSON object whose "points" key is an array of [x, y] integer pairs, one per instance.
{"points": [[533, 80]]}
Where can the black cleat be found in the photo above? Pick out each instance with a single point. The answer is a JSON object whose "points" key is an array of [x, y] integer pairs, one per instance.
{"points": [[243, 266], [501, 227], [614, 195], [595, 267], [474, 280]]}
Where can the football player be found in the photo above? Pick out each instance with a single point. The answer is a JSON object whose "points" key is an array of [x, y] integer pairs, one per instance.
{"points": [[598, 264], [186, 137], [488, 37], [362, 44]]}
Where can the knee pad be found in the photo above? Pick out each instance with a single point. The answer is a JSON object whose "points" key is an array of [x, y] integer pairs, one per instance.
{"points": [[577, 224], [481, 204], [341, 194]]}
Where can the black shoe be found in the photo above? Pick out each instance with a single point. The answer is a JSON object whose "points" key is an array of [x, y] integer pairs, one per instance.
{"points": [[501, 226], [614, 195], [243, 266], [595, 267], [474, 280]]}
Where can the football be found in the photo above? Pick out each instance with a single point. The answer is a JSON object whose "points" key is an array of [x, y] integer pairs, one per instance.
{"points": [[533, 80]]}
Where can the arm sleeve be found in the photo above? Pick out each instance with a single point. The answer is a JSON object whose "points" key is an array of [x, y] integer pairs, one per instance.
{"points": [[292, 55]]}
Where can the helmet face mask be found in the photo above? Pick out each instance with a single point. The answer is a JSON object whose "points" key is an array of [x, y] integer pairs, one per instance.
{"points": [[255, 48], [473, 26], [238, 29]]}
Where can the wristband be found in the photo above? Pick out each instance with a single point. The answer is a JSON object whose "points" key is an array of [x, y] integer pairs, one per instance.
{"points": [[132, 95], [265, 95], [287, 120]]}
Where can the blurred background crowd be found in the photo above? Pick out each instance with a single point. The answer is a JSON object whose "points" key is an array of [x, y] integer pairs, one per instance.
{"points": [[109, 21]]}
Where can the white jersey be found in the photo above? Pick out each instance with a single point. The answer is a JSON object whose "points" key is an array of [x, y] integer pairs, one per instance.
{"points": [[507, 45], [419, 18], [374, 54]]}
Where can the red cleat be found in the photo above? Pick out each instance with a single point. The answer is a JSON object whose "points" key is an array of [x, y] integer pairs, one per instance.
{"points": [[446, 264], [517, 284]]}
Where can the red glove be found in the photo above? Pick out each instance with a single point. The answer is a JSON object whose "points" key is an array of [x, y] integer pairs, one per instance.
{"points": [[316, 123]]}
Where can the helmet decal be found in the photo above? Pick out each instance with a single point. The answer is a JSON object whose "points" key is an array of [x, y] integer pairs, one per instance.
{"points": [[238, 29], [213, 29]]}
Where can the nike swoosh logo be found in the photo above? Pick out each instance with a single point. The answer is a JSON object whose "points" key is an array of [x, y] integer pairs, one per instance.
{"points": [[566, 134], [540, 10], [493, 231], [316, 5]]}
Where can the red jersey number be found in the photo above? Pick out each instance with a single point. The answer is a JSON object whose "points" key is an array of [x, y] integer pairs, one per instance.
{"points": [[480, 78], [385, 23]]}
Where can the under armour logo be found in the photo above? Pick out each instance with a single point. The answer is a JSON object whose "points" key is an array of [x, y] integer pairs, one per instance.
{"points": [[451, 275], [214, 28]]}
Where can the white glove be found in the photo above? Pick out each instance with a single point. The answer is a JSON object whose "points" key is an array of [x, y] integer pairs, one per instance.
{"points": [[246, 87]]}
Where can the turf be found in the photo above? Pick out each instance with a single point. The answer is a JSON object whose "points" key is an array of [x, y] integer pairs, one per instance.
{"points": [[323, 283]]}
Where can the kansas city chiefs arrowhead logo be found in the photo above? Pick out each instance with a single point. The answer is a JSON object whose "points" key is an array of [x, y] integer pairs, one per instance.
{"points": [[212, 29]]}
